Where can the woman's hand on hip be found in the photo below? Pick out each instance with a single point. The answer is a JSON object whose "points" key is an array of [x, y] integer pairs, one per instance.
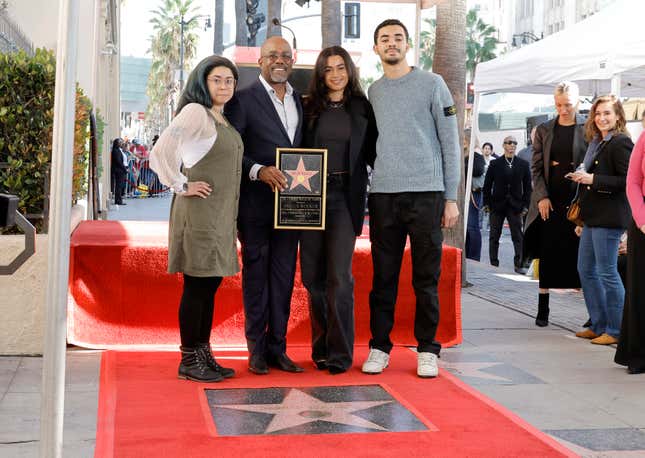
{"points": [[198, 189]]}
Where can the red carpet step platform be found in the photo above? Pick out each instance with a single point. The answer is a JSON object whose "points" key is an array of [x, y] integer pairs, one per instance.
{"points": [[121, 295], [145, 411]]}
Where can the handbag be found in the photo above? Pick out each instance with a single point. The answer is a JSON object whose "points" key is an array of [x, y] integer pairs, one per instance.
{"points": [[574, 211]]}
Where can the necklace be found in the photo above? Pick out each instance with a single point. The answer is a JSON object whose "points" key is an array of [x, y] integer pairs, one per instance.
{"points": [[510, 163], [336, 104]]}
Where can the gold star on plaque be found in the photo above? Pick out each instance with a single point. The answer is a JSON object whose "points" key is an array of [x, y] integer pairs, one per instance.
{"points": [[301, 176]]}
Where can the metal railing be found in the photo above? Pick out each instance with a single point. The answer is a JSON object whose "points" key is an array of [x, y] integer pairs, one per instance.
{"points": [[12, 39]]}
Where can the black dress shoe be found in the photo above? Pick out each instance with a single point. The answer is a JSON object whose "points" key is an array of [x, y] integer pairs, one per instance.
{"points": [[635, 370], [284, 363], [335, 370], [321, 364], [258, 365]]}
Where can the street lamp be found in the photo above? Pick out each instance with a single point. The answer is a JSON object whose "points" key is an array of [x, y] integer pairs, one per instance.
{"points": [[183, 24], [526, 38]]}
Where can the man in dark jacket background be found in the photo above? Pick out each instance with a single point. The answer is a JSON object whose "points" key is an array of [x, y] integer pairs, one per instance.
{"points": [[507, 195]]}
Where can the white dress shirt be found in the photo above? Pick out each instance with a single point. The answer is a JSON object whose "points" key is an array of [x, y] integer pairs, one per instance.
{"points": [[287, 112]]}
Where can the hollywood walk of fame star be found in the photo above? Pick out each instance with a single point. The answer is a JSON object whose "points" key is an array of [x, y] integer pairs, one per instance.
{"points": [[474, 369], [301, 176], [298, 408]]}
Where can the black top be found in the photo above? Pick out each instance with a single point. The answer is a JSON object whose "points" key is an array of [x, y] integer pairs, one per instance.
{"points": [[561, 189], [507, 186], [334, 129]]}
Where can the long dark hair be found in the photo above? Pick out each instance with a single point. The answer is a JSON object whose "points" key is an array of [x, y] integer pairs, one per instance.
{"points": [[317, 99], [196, 90]]}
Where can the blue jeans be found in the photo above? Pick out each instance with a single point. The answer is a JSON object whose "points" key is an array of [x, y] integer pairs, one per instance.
{"points": [[601, 285], [473, 228]]}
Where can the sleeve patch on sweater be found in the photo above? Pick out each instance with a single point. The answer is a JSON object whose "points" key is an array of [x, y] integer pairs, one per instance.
{"points": [[450, 111]]}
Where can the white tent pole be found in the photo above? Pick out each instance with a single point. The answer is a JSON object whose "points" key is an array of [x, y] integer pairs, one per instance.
{"points": [[417, 34], [53, 383], [474, 134], [615, 85]]}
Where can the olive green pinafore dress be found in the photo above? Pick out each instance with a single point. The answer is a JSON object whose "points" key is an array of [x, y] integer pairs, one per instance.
{"points": [[202, 232]]}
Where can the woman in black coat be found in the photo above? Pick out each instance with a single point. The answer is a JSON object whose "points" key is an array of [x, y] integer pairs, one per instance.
{"points": [[605, 213], [339, 118], [559, 147]]}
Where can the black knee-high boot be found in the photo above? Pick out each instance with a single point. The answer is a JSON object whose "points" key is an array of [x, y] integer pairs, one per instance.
{"points": [[542, 318]]}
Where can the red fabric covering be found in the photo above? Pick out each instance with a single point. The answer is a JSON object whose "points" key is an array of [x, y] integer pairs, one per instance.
{"points": [[120, 293], [145, 411]]}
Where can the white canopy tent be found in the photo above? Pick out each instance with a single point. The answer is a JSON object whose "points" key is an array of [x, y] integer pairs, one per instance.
{"points": [[603, 54]]}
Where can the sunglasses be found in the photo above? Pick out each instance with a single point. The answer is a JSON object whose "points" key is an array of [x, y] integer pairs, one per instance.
{"points": [[510, 143]]}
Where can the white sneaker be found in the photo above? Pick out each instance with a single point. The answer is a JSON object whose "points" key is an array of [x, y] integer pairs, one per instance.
{"points": [[376, 361], [427, 365]]}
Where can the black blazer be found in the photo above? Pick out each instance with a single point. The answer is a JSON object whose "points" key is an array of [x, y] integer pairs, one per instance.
{"points": [[116, 163], [362, 152], [500, 193], [253, 114], [604, 202]]}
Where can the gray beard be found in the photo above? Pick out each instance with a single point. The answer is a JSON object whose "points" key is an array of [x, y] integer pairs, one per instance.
{"points": [[278, 78]]}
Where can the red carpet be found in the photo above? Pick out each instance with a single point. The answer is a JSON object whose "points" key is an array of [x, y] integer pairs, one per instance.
{"points": [[121, 295], [145, 411]]}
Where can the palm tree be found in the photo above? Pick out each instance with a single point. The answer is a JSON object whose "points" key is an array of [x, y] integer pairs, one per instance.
{"points": [[480, 42], [241, 35], [450, 62], [218, 28], [274, 10], [165, 48], [330, 23]]}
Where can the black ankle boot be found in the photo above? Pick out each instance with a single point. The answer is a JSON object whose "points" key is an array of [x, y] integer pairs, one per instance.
{"points": [[207, 353], [194, 367], [542, 318]]}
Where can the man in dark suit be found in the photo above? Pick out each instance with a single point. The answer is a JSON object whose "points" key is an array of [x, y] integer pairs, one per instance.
{"points": [[118, 170], [268, 115], [507, 194]]}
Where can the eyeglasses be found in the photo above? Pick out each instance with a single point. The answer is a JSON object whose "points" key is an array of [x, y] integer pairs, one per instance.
{"points": [[511, 143], [228, 82], [273, 57]]}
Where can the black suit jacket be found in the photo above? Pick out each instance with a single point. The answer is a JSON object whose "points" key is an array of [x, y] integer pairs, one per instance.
{"points": [[253, 114], [604, 202], [116, 163], [502, 192], [362, 152]]}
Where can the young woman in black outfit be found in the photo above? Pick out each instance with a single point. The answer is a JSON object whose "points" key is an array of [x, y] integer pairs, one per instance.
{"points": [[338, 117]]}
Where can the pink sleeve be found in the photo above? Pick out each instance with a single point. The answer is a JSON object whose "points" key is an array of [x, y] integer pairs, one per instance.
{"points": [[636, 181]]}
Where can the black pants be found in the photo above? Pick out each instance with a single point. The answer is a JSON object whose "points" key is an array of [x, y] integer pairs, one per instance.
{"points": [[496, 225], [326, 266], [268, 270], [392, 218], [118, 185], [196, 309]]}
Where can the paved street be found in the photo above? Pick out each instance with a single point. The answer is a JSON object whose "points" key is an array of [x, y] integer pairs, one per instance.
{"points": [[558, 383]]}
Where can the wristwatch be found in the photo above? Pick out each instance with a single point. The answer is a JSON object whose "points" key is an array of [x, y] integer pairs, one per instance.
{"points": [[184, 187]]}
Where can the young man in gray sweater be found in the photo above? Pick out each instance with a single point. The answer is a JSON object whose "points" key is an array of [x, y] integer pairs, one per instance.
{"points": [[413, 192]]}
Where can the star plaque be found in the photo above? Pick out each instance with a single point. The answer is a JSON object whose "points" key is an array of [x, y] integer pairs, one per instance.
{"points": [[309, 410], [302, 204]]}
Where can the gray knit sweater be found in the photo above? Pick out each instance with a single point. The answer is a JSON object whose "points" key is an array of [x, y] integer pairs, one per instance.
{"points": [[418, 144]]}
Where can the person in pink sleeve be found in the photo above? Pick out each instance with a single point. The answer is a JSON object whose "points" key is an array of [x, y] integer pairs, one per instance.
{"points": [[631, 346]]}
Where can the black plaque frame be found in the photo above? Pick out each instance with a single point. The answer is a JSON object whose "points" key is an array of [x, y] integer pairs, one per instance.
{"points": [[302, 204]]}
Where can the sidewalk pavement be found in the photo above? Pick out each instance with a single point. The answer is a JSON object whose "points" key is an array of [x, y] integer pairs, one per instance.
{"points": [[562, 385]]}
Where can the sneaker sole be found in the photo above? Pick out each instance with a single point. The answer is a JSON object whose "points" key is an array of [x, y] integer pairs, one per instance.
{"points": [[374, 373], [427, 376]]}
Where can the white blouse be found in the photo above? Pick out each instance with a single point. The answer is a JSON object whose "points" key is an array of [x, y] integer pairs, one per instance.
{"points": [[185, 141]]}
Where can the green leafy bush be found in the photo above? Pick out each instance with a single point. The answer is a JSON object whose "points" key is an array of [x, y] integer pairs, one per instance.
{"points": [[26, 124], [26, 127]]}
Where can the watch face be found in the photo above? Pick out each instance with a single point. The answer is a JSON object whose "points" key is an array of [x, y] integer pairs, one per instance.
{"points": [[185, 187]]}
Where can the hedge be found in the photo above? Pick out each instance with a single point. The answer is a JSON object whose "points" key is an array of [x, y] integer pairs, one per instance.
{"points": [[26, 127]]}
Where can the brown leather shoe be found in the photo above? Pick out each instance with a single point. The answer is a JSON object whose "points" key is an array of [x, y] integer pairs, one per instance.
{"points": [[605, 339], [587, 334]]}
